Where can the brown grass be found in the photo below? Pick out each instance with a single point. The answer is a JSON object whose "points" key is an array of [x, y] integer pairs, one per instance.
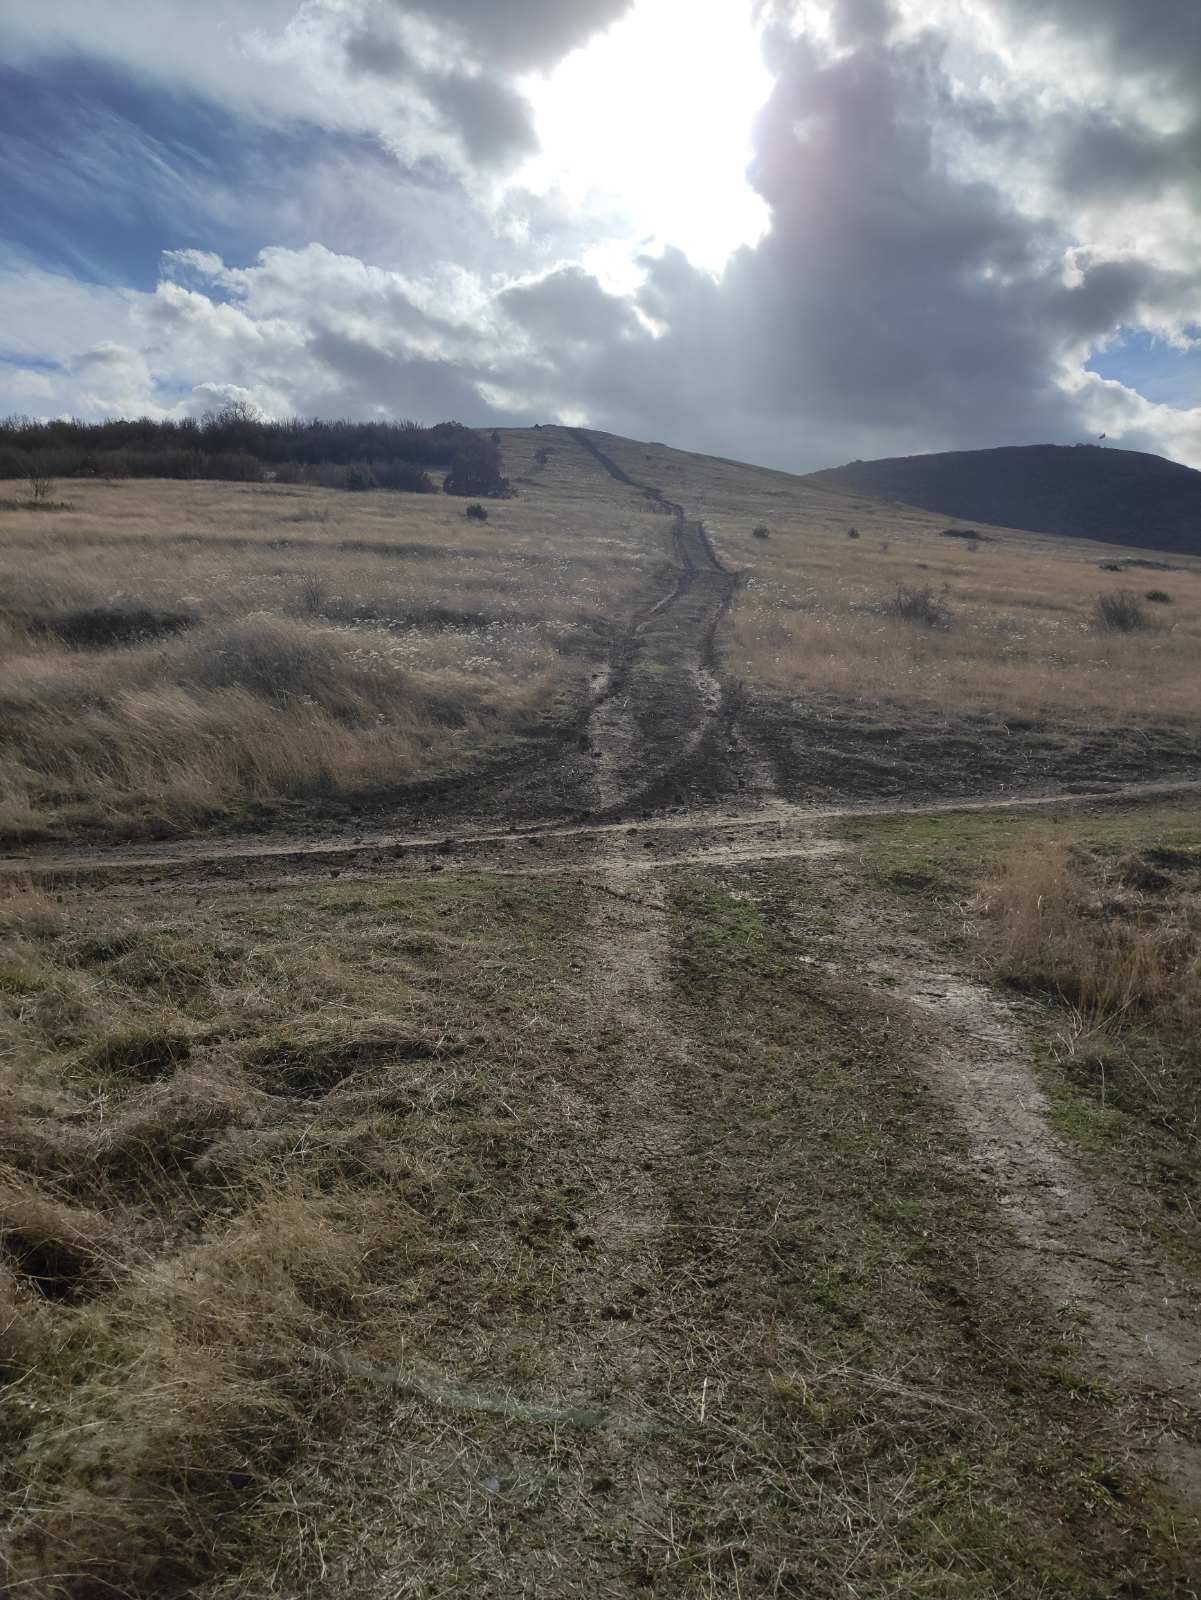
{"points": [[193, 1239], [344, 1298], [174, 653], [1119, 940], [1114, 939], [813, 612]]}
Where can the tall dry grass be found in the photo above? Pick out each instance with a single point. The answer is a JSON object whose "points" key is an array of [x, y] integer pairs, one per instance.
{"points": [[174, 653], [1079, 926], [233, 1134], [1022, 641], [1116, 943]]}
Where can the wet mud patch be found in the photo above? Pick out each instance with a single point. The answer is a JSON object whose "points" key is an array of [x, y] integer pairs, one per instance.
{"points": [[828, 749]]}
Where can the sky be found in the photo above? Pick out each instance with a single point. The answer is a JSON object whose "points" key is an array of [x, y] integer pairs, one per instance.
{"points": [[796, 232]]}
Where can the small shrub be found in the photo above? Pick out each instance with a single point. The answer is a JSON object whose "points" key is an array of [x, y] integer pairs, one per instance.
{"points": [[852, 533], [476, 512], [312, 594], [39, 487], [1158, 597], [1121, 612], [542, 455], [761, 532], [918, 606], [885, 546], [358, 477]]}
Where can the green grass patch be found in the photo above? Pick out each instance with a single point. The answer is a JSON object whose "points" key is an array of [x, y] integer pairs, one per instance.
{"points": [[1122, 1070]]}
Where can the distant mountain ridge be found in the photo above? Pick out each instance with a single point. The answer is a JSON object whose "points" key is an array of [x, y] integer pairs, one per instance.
{"points": [[1085, 491]]}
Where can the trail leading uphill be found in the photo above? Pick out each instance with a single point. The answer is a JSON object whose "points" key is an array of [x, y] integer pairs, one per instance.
{"points": [[649, 731]]}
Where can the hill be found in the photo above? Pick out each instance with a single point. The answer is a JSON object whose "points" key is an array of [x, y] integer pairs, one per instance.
{"points": [[1115, 496]]}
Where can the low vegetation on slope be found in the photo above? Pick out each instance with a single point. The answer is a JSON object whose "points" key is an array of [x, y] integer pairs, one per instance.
{"points": [[314, 1282], [1098, 917], [178, 654], [1086, 491], [872, 603]]}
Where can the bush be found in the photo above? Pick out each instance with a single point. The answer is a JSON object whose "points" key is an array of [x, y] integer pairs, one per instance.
{"points": [[475, 470], [476, 512], [852, 533], [1121, 612], [403, 475], [919, 607], [761, 532], [1158, 597], [357, 477]]}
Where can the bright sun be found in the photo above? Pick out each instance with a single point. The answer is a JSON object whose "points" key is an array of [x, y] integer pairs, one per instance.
{"points": [[650, 124]]}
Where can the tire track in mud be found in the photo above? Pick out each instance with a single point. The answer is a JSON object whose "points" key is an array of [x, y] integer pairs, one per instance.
{"points": [[778, 829], [646, 736]]}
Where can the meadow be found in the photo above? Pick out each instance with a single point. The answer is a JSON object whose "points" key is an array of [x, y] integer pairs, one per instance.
{"points": [[179, 654], [1005, 625]]}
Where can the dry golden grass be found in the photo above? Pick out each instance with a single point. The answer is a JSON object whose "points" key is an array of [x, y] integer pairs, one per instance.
{"points": [[233, 1132], [1022, 642], [1117, 939], [310, 1279], [174, 653]]}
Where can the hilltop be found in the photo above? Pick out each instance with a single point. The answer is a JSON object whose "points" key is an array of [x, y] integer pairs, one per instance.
{"points": [[1115, 496]]}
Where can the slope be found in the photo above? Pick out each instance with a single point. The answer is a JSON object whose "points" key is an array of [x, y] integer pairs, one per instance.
{"points": [[1116, 496]]}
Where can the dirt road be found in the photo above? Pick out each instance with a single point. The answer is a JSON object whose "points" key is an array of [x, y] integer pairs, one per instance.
{"points": [[729, 1107]]}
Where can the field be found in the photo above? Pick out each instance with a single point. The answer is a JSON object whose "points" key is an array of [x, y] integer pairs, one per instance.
{"points": [[178, 654], [716, 1116], [1014, 628]]}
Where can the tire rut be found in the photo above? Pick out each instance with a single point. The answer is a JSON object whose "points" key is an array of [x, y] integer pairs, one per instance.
{"points": [[1137, 1318], [648, 735], [772, 828]]}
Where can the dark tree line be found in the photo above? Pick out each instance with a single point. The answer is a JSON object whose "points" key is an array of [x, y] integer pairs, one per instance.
{"points": [[236, 444]]}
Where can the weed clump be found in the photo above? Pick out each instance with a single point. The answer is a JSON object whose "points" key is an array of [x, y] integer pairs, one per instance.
{"points": [[918, 606], [475, 512], [761, 532], [852, 533], [312, 594], [1158, 597], [1121, 612]]}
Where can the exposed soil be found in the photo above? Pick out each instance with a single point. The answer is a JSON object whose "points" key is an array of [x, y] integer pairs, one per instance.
{"points": [[1139, 1320], [666, 767]]}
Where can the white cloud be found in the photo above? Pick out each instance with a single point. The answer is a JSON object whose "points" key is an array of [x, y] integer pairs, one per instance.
{"points": [[960, 210]]}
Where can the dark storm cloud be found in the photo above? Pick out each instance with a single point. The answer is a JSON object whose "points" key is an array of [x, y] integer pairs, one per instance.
{"points": [[519, 34], [569, 304], [491, 118], [482, 106], [1158, 37], [892, 302], [360, 378]]}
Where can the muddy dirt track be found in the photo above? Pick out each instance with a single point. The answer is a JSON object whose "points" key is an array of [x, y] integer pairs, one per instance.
{"points": [[658, 721]]}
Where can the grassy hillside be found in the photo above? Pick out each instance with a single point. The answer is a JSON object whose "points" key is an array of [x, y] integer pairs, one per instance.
{"points": [[1117, 496], [178, 655]]}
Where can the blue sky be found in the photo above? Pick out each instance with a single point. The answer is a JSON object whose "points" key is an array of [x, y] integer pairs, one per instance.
{"points": [[803, 233], [1166, 373]]}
